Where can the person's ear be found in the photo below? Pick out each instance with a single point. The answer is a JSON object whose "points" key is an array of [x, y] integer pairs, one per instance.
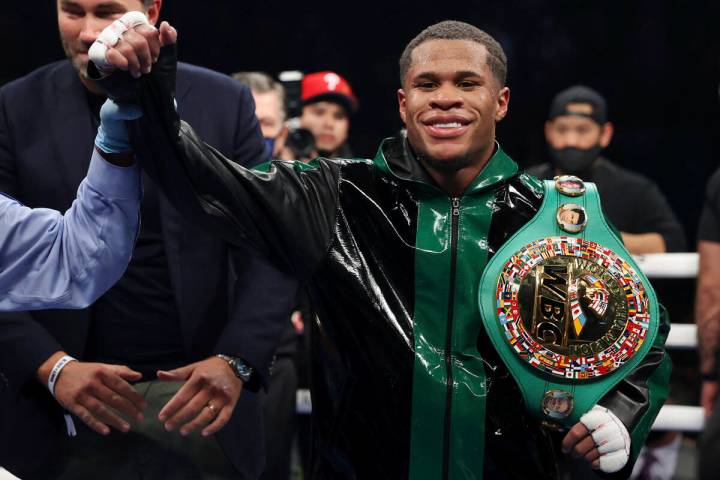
{"points": [[503, 101], [153, 12], [548, 130], [402, 105], [606, 134]]}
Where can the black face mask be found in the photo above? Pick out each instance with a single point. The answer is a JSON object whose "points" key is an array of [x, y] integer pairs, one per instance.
{"points": [[574, 161]]}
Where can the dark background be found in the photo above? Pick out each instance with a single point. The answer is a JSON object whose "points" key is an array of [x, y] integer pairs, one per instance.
{"points": [[656, 61]]}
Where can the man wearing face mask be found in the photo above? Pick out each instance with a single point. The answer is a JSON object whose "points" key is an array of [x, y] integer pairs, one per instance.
{"points": [[577, 131]]}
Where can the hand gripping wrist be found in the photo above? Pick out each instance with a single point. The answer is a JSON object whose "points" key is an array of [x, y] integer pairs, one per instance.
{"points": [[112, 135], [111, 36], [611, 438], [55, 372]]}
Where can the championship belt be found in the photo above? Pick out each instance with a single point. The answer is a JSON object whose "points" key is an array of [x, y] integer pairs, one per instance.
{"points": [[565, 305]]}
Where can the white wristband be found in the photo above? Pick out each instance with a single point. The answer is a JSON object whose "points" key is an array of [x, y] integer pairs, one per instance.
{"points": [[55, 372]]}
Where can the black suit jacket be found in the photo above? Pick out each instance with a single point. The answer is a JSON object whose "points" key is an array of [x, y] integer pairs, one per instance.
{"points": [[46, 138]]}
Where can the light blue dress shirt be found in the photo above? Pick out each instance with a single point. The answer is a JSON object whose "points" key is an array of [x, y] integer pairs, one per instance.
{"points": [[50, 260]]}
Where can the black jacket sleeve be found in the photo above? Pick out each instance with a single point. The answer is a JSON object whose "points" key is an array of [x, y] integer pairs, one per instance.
{"points": [[285, 210]]}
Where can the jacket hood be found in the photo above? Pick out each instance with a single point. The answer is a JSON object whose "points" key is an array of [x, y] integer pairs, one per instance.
{"points": [[395, 156]]}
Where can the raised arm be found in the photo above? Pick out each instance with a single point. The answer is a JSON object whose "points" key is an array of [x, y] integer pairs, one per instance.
{"points": [[283, 209], [55, 261]]}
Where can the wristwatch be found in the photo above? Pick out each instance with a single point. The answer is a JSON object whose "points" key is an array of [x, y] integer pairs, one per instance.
{"points": [[242, 370]]}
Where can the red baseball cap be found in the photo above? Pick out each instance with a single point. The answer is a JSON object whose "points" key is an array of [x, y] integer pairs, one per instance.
{"points": [[328, 86]]}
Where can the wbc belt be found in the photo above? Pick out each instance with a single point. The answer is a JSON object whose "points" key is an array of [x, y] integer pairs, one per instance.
{"points": [[565, 305]]}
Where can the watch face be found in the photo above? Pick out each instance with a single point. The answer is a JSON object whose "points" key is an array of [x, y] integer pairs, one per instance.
{"points": [[241, 370], [572, 308], [239, 367]]}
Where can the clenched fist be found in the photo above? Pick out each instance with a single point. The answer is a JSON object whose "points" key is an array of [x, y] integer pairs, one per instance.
{"points": [[130, 43]]}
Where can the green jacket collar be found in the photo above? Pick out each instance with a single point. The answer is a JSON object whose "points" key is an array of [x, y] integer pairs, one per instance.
{"points": [[396, 158]]}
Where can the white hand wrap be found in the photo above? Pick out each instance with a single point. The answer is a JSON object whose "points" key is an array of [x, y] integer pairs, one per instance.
{"points": [[611, 437], [111, 36]]}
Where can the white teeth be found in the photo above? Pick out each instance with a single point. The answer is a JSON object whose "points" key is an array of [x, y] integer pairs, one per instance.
{"points": [[448, 125]]}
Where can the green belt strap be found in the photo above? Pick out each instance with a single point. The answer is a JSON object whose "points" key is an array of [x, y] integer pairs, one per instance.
{"points": [[532, 382]]}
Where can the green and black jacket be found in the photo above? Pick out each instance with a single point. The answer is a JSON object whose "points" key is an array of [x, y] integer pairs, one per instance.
{"points": [[405, 381]]}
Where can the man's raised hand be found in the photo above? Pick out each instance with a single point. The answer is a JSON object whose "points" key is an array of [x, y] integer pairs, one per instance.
{"points": [[131, 43]]}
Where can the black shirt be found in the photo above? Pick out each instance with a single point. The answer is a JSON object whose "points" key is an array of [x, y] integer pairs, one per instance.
{"points": [[709, 229], [137, 323], [632, 202]]}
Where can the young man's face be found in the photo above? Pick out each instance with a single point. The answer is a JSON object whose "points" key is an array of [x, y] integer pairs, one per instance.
{"points": [[329, 124], [81, 21], [450, 102]]}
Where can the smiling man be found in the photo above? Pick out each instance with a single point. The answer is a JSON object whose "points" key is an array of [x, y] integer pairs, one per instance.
{"points": [[407, 383]]}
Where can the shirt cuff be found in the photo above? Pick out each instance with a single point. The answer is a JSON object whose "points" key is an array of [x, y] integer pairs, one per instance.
{"points": [[113, 181]]}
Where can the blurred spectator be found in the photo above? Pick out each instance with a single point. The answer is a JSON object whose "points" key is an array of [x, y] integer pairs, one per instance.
{"points": [[707, 316], [577, 131], [269, 97], [328, 102], [279, 402], [283, 142]]}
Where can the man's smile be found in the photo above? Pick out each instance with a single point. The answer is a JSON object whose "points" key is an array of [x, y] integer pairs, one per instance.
{"points": [[444, 126]]}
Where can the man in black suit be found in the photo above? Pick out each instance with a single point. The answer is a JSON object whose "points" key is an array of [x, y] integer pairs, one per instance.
{"points": [[163, 325]]}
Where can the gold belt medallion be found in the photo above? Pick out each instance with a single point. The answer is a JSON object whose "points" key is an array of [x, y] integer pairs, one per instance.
{"points": [[571, 307]]}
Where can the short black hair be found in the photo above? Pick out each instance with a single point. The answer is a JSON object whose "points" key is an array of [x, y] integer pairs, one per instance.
{"points": [[455, 30]]}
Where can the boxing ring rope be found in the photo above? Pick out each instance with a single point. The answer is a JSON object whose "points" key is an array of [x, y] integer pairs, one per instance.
{"points": [[685, 418], [668, 265]]}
